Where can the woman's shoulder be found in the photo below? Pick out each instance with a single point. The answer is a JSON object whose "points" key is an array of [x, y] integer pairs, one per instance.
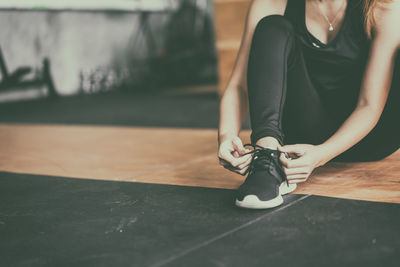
{"points": [[269, 3], [387, 17], [262, 8]]}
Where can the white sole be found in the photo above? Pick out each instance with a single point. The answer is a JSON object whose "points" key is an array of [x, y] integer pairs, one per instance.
{"points": [[253, 202]]}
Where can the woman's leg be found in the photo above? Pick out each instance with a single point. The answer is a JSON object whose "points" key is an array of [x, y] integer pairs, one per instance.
{"points": [[280, 95], [283, 102], [285, 105]]}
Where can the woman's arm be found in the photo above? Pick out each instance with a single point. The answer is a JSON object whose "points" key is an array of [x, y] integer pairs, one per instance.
{"points": [[375, 86], [373, 96], [234, 101]]}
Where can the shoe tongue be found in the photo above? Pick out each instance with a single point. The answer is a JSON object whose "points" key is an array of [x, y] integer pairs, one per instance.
{"points": [[264, 159], [266, 152]]}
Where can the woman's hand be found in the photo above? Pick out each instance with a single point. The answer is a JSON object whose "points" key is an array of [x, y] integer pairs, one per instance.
{"points": [[304, 158], [230, 154]]}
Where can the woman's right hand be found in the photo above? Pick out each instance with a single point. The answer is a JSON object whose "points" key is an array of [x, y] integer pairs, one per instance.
{"points": [[231, 155]]}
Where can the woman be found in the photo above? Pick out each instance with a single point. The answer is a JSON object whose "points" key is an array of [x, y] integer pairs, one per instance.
{"points": [[321, 79]]}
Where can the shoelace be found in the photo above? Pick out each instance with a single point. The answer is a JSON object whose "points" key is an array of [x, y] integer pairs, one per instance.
{"points": [[259, 153]]}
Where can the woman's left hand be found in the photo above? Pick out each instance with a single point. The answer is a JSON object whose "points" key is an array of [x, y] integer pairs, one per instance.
{"points": [[306, 159]]}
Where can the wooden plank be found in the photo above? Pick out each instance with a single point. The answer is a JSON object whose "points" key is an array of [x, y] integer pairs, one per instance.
{"points": [[170, 156]]}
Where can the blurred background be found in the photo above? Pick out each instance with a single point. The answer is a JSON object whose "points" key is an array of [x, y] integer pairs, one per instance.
{"points": [[119, 62], [63, 48]]}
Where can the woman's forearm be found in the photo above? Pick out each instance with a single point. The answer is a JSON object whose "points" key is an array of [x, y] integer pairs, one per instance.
{"points": [[373, 94], [233, 112], [357, 126]]}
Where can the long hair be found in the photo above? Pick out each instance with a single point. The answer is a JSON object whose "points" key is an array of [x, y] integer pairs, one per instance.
{"points": [[369, 16]]}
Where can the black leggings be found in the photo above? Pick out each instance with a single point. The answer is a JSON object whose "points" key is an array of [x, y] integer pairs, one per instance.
{"points": [[285, 105]]}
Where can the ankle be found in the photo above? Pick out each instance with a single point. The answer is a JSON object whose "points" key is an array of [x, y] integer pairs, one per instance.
{"points": [[268, 142]]}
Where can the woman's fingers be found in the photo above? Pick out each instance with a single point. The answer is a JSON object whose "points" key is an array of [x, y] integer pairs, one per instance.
{"points": [[241, 168], [247, 162], [238, 145], [226, 163], [230, 154], [292, 163], [296, 163], [226, 155], [296, 181], [298, 149], [297, 176], [226, 158], [235, 169], [284, 160], [242, 171], [236, 154], [295, 171]]}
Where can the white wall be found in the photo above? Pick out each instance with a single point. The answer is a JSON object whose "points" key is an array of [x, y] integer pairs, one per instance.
{"points": [[75, 41]]}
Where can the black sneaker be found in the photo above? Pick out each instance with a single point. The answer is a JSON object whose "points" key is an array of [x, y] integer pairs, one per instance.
{"points": [[266, 181]]}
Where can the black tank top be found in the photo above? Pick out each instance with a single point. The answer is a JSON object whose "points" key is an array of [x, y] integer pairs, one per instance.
{"points": [[339, 65]]}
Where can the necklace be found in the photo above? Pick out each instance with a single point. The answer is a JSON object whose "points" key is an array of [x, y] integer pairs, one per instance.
{"points": [[334, 19]]}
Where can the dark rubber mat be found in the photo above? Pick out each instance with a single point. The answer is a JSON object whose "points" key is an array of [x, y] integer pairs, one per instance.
{"points": [[119, 109], [317, 231], [51, 221]]}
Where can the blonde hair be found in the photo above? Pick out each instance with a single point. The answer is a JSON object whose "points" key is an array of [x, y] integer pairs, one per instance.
{"points": [[369, 16]]}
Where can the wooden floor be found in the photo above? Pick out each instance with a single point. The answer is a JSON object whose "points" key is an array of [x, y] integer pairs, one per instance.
{"points": [[170, 156]]}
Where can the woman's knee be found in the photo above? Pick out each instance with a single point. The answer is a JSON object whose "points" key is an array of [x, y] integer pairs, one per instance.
{"points": [[376, 154], [275, 24], [384, 153]]}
